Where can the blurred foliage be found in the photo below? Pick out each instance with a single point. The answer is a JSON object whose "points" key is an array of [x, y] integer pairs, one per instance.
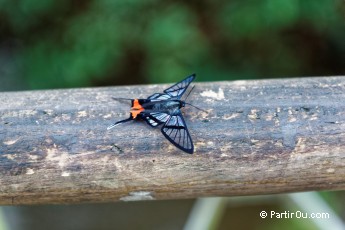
{"points": [[336, 201], [72, 43]]}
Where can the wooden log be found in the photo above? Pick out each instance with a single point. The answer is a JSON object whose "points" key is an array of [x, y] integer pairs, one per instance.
{"points": [[258, 137]]}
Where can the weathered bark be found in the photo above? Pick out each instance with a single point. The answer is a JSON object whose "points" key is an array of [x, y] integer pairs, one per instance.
{"points": [[259, 137]]}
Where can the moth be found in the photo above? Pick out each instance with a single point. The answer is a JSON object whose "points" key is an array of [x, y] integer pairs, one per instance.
{"points": [[165, 108]]}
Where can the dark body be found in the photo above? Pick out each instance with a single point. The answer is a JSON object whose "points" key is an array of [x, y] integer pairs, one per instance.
{"points": [[171, 107]]}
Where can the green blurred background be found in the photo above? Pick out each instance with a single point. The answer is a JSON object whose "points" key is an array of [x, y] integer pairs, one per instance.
{"points": [[72, 43]]}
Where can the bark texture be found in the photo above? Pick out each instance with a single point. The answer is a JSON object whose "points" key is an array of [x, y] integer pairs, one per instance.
{"points": [[258, 137]]}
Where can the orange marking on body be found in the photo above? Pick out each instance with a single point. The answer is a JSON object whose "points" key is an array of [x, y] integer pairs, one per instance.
{"points": [[136, 104], [136, 108]]}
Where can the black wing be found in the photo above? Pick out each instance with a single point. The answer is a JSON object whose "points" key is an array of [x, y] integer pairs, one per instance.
{"points": [[175, 91], [175, 130], [179, 88], [159, 97]]}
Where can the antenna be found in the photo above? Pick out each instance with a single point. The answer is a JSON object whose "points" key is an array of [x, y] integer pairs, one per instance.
{"points": [[196, 107], [191, 104], [189, 92]]}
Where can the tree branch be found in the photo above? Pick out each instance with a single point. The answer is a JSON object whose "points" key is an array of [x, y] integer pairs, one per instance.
{"points": [[258, 137]]}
